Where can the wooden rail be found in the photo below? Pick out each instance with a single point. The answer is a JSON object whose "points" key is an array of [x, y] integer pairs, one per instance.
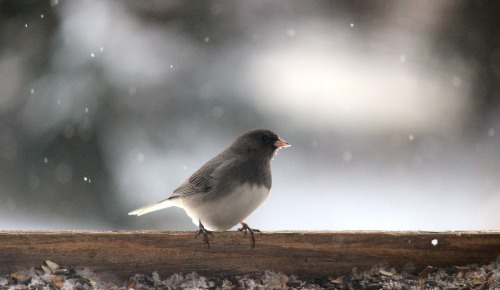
{"points": [[118, 255]]}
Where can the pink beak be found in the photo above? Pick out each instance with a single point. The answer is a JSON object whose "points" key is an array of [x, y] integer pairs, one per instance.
{"points": [[280, 143]]}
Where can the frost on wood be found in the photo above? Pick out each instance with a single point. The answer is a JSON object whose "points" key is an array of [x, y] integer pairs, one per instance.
{"points": [[379, 277]]}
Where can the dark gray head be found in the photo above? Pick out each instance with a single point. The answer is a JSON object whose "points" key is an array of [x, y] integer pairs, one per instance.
{"points": [[258, 143]]}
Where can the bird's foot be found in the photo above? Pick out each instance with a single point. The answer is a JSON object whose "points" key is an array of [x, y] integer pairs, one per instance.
{"points": [[205, 233], [246, 229]]}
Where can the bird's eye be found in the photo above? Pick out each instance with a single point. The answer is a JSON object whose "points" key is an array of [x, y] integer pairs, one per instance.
{"points": [[264, 138]]}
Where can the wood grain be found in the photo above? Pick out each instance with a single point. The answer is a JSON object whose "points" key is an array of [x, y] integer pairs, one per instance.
{"points": [[118, 255]]}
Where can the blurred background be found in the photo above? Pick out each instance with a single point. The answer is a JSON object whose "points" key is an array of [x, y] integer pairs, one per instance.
{"points": [[392, 109]]}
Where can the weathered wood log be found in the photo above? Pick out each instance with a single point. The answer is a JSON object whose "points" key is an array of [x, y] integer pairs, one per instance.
{"points": [[118, 255]]}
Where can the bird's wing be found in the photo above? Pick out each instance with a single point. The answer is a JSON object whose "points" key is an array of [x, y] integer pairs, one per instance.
{"points": [[202, 181]]}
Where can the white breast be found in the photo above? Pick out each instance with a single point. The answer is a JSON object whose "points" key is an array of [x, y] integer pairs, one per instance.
{"points": [[223, 214]]}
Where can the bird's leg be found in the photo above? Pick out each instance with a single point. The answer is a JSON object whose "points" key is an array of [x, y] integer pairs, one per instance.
{"points": [[246, 229], [205, 233]]}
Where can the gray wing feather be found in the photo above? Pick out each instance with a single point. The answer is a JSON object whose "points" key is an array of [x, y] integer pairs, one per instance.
{"points": [[202, 181]]}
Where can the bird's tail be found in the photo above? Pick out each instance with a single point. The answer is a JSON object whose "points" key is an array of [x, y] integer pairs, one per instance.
{"points": [[152, 207]]}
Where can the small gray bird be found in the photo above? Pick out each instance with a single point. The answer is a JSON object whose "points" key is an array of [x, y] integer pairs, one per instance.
{"points": [[229, 187]]}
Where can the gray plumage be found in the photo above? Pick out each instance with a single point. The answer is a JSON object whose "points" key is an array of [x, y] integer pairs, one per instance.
{"points": [[226, 189]]}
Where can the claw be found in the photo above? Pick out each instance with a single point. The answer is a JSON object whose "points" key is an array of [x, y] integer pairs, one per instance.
{"points": [[246, 229], [205, 233]]}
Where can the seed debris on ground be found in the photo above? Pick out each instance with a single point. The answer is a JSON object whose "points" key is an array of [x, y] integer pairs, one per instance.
{"points": [[52, 276]]}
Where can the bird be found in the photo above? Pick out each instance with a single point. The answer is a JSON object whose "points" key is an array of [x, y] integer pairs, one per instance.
{"points": [[229, 187]]}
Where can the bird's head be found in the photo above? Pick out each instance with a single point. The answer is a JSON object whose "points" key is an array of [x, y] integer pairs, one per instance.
{"points": [[258, 143]]}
